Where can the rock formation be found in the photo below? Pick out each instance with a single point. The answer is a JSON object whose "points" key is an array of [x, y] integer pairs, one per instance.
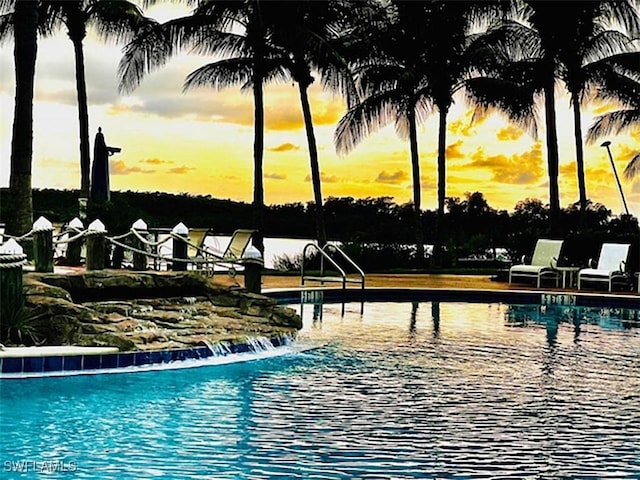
{"points": [[149, 310]]}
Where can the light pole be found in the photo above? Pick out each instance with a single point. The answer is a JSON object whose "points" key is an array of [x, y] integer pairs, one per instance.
{"points": [[613, 165]]}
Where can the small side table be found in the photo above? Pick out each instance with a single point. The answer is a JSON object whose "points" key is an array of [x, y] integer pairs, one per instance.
{"points": [[568, 272]]}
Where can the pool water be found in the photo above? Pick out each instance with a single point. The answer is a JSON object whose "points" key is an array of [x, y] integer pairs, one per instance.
{"points": [[393, 391]]}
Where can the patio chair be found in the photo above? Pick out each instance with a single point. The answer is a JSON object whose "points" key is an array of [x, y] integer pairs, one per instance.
{"points": [[611, 265], [543, 262], [231, 257]]}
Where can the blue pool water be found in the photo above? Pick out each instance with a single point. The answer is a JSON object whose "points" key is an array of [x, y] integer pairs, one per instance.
{"points": [[393, 391]]}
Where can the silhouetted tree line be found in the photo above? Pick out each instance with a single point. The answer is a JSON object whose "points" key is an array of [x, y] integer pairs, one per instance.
{"points": [[385, 229]]}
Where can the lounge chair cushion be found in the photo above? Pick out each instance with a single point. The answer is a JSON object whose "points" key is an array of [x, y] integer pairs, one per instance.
{"points": [[611, 264], [543, 261]]}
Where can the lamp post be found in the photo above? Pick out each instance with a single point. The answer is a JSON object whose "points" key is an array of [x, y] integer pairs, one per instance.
{"points": [[613, 165]]}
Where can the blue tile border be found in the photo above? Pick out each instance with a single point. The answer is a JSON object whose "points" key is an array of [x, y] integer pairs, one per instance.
{"points": [[125, 359], [91, 362], [52, 364], [12, 365], [33, 364], [27, 367], [72, 363]]}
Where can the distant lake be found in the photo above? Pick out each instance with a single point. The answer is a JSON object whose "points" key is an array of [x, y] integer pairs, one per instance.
{"points": [[273, 247]]}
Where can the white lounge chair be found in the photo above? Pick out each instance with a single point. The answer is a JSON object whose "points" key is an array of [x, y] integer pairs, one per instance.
{"points": [[611, 265], [543, 263], [231, 257]]}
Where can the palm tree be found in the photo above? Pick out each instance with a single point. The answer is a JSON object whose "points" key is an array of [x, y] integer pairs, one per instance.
{"points": [[303, 34], [260, 42], [422, 59], [234, 30], [115, 20], [587, 49], [392, 91], [542, 46], [24, 20], [626, 90]]}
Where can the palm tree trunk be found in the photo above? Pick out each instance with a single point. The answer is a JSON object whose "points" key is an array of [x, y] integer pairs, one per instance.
{"points": [[552, 153], [577, 133], [321, 233], [258, 153], [83, 117], [20, 218], [417, 201], [442, 182]]}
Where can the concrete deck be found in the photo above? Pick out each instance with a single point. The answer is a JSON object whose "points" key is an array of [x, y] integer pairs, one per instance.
{"points": [[426, 281]]}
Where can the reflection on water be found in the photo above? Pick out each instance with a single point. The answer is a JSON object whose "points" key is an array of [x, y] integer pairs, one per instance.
{"points": [[605, 317], [461, 390], [406, 390], [435, 314]]}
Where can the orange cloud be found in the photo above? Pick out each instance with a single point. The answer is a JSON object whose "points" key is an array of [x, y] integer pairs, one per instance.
{"points": [[284, 147], [155, 161], [180, 170], [626, 151], [392, 178], [453, 150], [324, 178], [428, 183], [568, 170], [522, 169], [120, 168], [275, 176], [464, 126], [510, 132]]}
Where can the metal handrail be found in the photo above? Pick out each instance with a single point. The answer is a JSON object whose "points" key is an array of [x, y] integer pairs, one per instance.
{"points": [[336, 248], [325, 255]]}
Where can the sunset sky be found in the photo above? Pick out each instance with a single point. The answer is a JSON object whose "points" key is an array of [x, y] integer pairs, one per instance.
{"points": [[201, 142]]}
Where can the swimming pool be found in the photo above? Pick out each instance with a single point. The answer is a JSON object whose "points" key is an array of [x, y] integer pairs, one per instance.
{"points": [[423, 389]]}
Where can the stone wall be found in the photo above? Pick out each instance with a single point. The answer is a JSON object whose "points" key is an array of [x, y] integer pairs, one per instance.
{"points": [[149, 310]]}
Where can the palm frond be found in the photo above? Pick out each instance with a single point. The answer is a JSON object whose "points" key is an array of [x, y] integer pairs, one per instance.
{"points": [[221, 74], [613, 123], [521, 41], [117, 21], [619, 88], [632, 169], [51, 15], [515, 102], [605, 45], [226, 14], [144, 54], [378, 78], [6, 6], [401, 124], [213, 42], [626, 12], [363, 119], [273, 71], [6, 28], [340, 81], [627, 64], [424, 107], [155, 45]]}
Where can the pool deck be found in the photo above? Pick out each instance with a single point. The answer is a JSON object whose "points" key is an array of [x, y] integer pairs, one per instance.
{"points": [[452, 282]]}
